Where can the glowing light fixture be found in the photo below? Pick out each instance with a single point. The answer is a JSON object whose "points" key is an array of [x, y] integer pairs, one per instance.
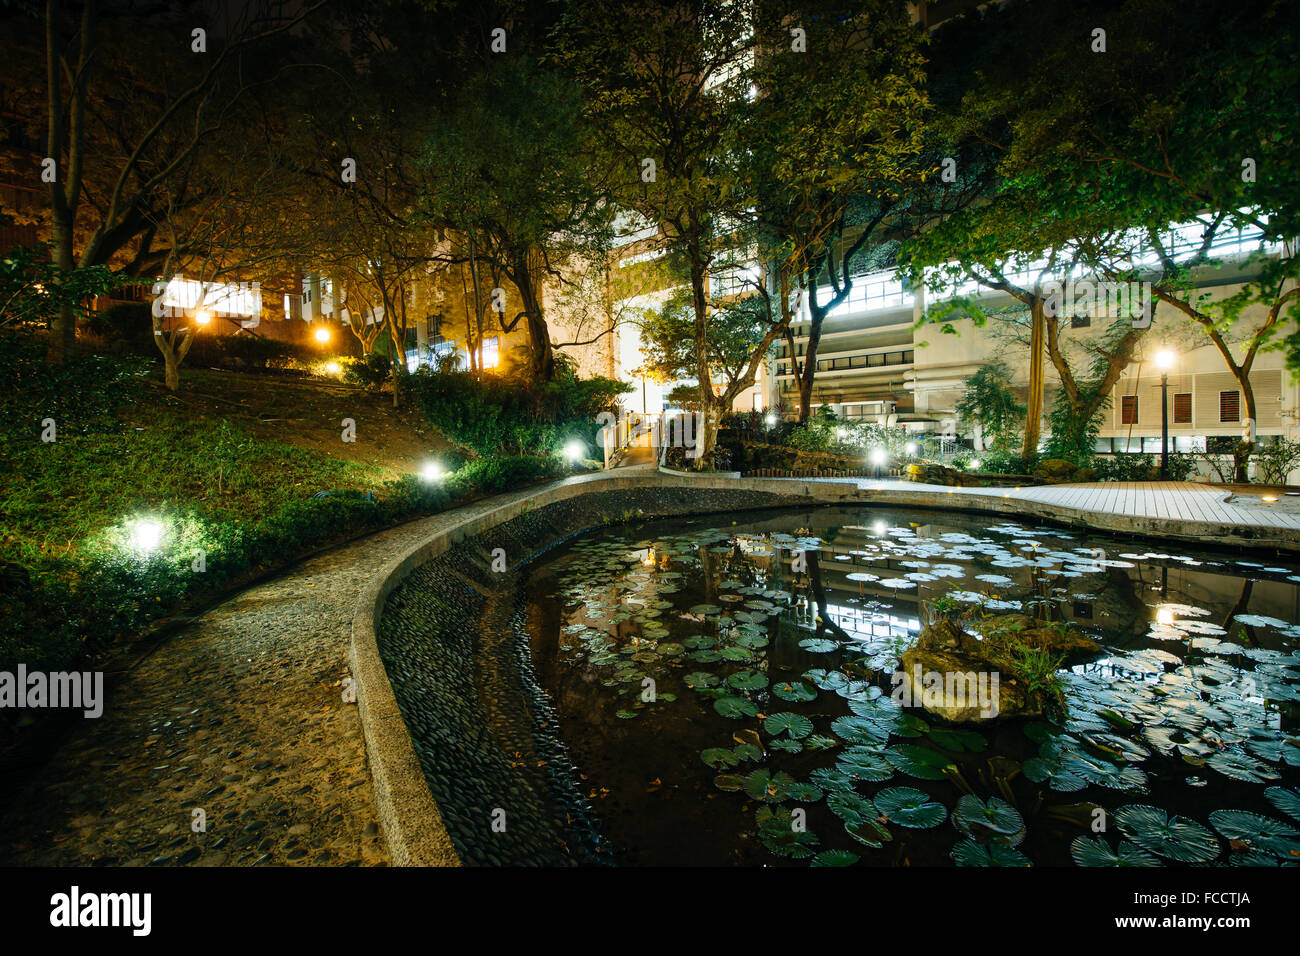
{"points": [[1268, 498], [332, 367], [1164, 359], [146, 535], [975, 464], [771, 419], [879, 456], [203, 316], [322, 334], [432, 471], [911, 449], [1164, 615], [575, 450]]}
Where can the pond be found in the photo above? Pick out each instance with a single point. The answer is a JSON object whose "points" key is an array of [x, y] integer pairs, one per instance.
{"points": [[724, 686]]}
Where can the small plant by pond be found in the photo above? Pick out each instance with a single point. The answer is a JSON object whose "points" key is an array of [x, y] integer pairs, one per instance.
{"points": [[727, 690]]}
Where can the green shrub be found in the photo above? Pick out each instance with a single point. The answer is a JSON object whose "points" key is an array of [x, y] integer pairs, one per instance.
{"points": [[506, 417], [370, 372]]}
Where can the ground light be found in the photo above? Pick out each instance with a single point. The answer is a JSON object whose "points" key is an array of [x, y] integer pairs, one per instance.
{"points": [[432, 471], [911, 449], [771, 420], [332, 367], [575, 450], [146, 535], [322, 334], [975, 464], [879, 456]]}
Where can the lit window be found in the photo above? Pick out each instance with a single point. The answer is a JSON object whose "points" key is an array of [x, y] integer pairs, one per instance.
{"points": [[489, 355]]}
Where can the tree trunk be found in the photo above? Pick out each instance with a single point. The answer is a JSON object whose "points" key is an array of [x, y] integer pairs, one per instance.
{"points": [[707, 434], [1034, 410], [63, 329]]}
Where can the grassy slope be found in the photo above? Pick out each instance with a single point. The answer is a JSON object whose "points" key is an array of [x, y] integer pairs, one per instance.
{"points": [[232, 445]]}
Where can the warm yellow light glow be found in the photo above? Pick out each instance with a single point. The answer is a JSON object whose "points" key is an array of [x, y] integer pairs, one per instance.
{"points": [[1164, 616], [332, 367], [1165, 358], [203, 316], [322, 334], [432, 471], [1268, 498]]}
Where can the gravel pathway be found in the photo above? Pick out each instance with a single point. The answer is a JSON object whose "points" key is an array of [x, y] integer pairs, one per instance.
{"points": [[241, 715]]}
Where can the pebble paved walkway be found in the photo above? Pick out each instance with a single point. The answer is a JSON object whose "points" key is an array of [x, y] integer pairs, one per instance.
{"points": [[241, 715]]}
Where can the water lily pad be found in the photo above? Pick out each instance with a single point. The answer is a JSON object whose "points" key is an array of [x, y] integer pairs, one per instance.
{"points": [[989, 820], [865, 764], [910, 807], [796, 725], [1257, 831], [1094, 851], [829, 778], [794, 691], [769, 787], [851, 807], [959, 740], [735, 707], [747, 680], [868, 832], [729, 781], [1288, 801], [786, 745], [859, 730], [719, 757], [1177, 838], [970, 853], [917, 761], [835, 858], [818, 645]]}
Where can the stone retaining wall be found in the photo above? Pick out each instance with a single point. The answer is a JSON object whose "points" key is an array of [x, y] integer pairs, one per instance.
{"points": [[455, 727]]}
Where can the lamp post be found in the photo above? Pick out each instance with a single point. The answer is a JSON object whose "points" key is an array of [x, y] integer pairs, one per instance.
{"points": [[1164, 359]]}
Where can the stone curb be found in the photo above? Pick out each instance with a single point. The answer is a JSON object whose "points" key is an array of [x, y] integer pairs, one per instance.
{"points": [[412, 825]]}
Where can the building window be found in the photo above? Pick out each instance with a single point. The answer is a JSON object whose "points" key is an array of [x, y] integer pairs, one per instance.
{"points": [[488, 353], [1128, 410], [1230, 406], [1183, 408]]}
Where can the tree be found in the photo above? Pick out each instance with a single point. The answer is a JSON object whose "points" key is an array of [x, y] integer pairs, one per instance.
{"points": [[664, 87], [991, 404], [509, 176], [126, 122], [835, 136], [1037, 211], [1197, 129]]}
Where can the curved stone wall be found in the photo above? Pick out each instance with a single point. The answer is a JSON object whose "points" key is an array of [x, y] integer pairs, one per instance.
{"points": [[465, 754]]}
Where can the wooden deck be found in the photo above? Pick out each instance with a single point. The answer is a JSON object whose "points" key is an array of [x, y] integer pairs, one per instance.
{"points": [[1166, 501]]}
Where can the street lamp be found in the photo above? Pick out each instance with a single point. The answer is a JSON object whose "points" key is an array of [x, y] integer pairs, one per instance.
{"points": [[1164, 361]]}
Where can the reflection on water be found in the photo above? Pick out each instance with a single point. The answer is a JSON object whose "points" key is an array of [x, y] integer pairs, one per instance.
{"points": [[724, 687]]}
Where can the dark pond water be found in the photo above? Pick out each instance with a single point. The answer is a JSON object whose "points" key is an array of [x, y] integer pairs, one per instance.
{"points": [[718, 719]]}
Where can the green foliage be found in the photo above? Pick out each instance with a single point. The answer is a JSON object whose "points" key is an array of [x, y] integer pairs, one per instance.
{"points": [[501, 416], [1276, 460], [1073, 437], [74, 579], [33, 289], [990, 402], [245, 351], [370, 372]]}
